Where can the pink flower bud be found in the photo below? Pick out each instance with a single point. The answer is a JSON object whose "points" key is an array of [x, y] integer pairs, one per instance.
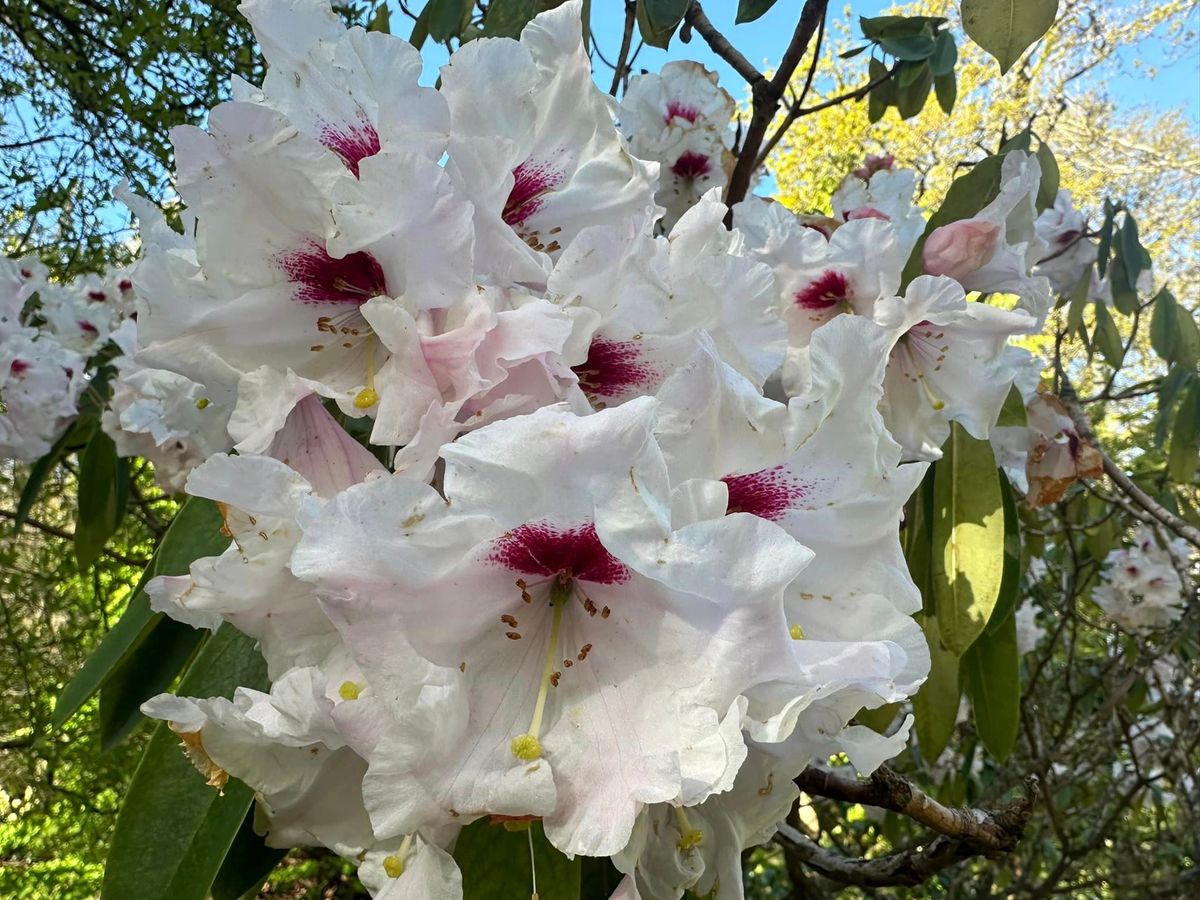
{"points": [[960, 248]]}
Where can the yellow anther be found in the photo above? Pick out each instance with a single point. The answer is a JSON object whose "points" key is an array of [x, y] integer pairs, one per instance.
{"points": [[349, 690], [516, 824], [796, 632], [202, 403], [394, 866], [527, 747], [366, 398]]}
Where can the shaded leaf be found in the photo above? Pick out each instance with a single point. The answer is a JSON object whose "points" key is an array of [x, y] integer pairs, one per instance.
{"points": [[174, 830], [1007, 28], [1163, 325], [749, 10], [935, 705], [658, 19], [495, 864], [1184, 454], [194, 532], [991, 676], [101, 498], [247, 863]]}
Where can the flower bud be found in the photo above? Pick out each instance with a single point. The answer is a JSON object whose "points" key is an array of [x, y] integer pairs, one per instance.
{"points": [[960, 248]]}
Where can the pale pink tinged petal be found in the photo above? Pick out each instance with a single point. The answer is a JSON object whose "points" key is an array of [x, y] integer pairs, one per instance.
{"points": [[960, 248], [316, 446]]}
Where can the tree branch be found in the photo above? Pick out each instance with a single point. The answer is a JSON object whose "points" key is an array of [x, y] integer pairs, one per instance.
{"points": [[626, 40], [767, 95], [55, 531], [962, 833], [1115, 473], [720, 45], [886, 789]]}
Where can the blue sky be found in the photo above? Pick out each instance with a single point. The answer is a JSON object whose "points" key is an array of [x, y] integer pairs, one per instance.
{"points": [[1177, 83]]}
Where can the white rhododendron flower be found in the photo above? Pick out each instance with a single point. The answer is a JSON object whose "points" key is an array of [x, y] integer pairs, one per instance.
{"points": [[40, 383], [879, 190], [1141, 588], [680, 118]]}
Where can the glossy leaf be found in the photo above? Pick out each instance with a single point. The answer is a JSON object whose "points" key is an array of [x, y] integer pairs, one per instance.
{"points": [[1106, 337], [935, 705], [946, 89], [447, 18], [1007, 28], [1184, 454], [1010, 581], [1163, 325], [174, 831], [968, 539], [658, 19], [103, 489], [991, 677], [1048, 189], [749, 10], [910, 48], [495, 864], [911, 97], [1012, 413], [945, 54], [247, 863]]}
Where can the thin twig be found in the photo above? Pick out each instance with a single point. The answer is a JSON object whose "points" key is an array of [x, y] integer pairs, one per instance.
{"points": [[720, 45], [626, 41]]}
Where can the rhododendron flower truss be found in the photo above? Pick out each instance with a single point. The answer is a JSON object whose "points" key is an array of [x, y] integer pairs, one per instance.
{"points": [[40, 383], [534, 147], [639, 303], [680, 119], [592, 645], [880, 191], [354, 91], [825, 470]]}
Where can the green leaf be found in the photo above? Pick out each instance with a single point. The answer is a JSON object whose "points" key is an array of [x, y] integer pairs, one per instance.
{"points": [[102, 490], [898, 26], [912, 48], [1163, 323], [382, 20], [447, 18], [749, 10], [882, 95], [1079, 299], [991, 675], [1012, 413], [1007, 28], [420, 28], [850, 54], [599, 878], [495, 864], [148, 669], [968, 539], [945, 54], [1106, 337], [1129, 251], [1010, 582], [247, 863], [1048, 189], [946, 89], [1184, 454], [1125, 298], [880, 719], [1187, 340], [935, 705], [194, 532], [174, 831], [911, 97], [658, 19], [37, 477], [508, 18], [1104, 244]]}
